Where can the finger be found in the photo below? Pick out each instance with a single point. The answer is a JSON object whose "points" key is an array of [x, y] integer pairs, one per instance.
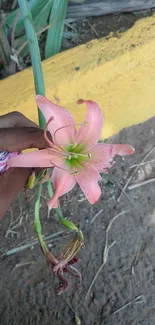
{"points": [[11, 184], [15, 119], [17, 139]]}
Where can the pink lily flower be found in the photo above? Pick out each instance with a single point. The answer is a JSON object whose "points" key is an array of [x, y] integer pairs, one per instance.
{"points": [[74, 153]]}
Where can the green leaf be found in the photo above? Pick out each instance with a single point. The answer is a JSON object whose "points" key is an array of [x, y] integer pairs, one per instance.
{"points": [[68, 224], [35, 6], [40, 22], [5, 50], [54, 34], [37, 224]]}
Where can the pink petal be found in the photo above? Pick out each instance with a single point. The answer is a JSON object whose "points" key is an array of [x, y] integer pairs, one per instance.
{"points": [[102, 154], [37, 158], [63, 182], [89, 133], [62, 119], [88, 181]]}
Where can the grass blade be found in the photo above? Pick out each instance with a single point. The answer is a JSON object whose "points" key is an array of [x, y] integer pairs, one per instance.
{"points": [[5, 50], [54, 34], [40, 21], [35, 6]]}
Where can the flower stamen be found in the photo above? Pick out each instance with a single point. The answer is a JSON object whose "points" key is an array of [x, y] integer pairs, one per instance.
{"points": [[51, 144], [74, 146], [58, 152], [75, 156], [69, 157], [66, 126], [45, 131], [53, 164], [75, 172]]}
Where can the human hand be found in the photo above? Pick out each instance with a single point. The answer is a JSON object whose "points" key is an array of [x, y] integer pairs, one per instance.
{"points": [[16, 134]]}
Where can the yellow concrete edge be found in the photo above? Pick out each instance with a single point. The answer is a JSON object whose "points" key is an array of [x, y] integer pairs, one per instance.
{"points": [[118, 73]]}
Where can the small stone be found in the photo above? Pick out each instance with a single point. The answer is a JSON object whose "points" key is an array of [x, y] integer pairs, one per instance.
{"points": [[122, 29], [86, 220]]}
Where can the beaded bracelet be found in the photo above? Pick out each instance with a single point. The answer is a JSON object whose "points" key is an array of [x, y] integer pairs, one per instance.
{"points": [[4, 157]]}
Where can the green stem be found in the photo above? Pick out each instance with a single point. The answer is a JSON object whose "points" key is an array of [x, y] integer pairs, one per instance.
{"points": [[39, 85], [37, 224], [58, 210], [66, 223]]}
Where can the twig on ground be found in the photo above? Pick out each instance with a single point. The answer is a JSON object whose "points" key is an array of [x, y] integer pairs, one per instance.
{"points": [[135, 261], [107, 247], [96, 215], [93, 29], [31, 198], [14, 224], [148, 181], [70, 26], [142, 164], [24, 264], [129, 179], [138, 300], [49, 238], [44, 197], [130, 200], [68, 303]]}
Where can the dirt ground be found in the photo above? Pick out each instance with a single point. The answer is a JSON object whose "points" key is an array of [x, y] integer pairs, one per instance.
{"points": [[124, 290], [96, 27]]}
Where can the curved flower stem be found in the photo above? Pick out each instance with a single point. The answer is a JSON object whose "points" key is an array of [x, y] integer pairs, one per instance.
{"points": [[66, 223], [37, 224], [37, 228]]}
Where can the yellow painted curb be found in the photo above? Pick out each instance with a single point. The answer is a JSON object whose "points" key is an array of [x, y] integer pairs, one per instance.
{"points": [[118, 73]]}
